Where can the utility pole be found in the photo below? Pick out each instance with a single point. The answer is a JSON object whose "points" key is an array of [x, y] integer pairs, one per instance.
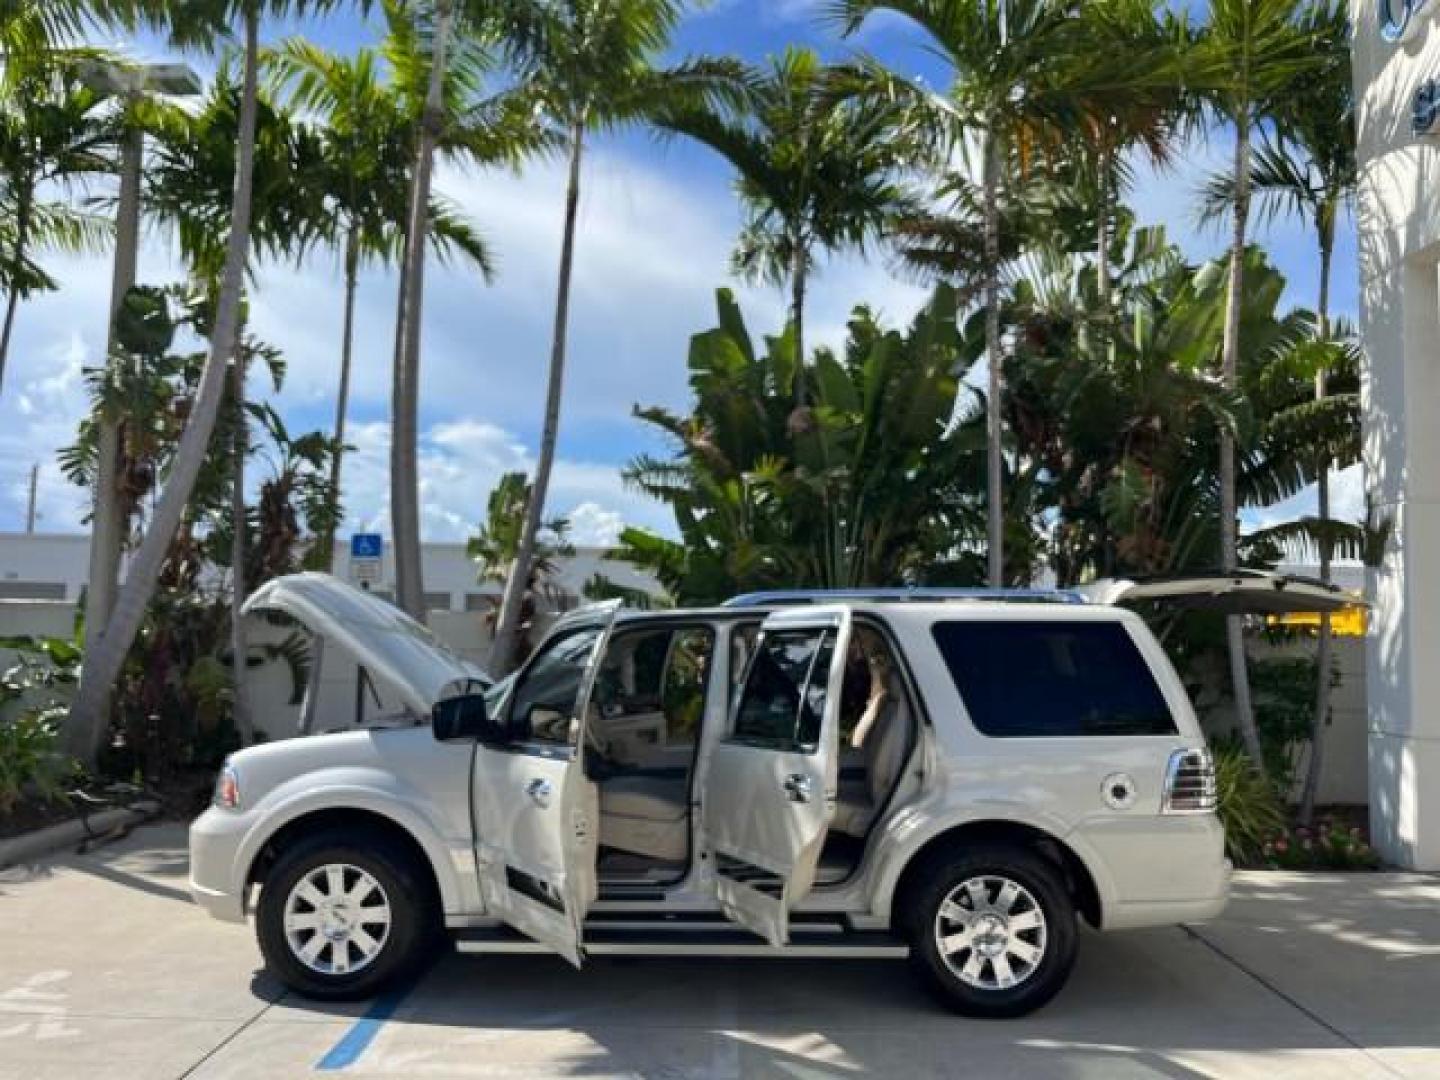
{"points": [[30, 507]]}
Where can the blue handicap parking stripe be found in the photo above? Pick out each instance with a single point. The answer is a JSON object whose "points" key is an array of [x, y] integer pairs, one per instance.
{"points": [[362, 1033]]}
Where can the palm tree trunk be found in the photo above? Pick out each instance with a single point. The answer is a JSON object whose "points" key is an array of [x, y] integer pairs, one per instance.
{"points": [[1324, 644], [1102, 242], [89, 722], [994, 473], [1229, 511], [503, 650], [342, 397], [239, 642], [799, 271], [404, 445], [107, 525], [12, 302]]}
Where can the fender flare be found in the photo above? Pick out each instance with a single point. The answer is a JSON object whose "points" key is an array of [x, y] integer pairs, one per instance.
{"points": [[903, 850], [352, 795]]}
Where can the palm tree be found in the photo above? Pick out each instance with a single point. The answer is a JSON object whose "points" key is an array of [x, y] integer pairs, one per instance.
{"points": [[493, 550], [1010, 93], [816, 170], [367, 135], [55, 132], [590, 66], [1309, 170], [88, 719], [1137, 104], [1247, 63]]}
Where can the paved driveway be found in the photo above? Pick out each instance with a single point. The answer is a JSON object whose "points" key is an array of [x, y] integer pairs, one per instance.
{"points": [[107, 970]]}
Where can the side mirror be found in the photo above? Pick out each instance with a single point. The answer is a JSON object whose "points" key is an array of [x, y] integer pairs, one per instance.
{"points": [[464, 719]]}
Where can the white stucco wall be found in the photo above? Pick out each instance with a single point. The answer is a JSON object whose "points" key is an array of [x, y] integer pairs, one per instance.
{"points": [[1399, 224]]}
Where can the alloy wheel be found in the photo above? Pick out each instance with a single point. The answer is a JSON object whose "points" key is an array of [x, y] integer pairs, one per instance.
{"points": [[337, 919], [991, 932]]}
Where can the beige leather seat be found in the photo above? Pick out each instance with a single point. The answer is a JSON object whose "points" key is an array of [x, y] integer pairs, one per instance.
{"points": [[645, 816], [880, 738]]}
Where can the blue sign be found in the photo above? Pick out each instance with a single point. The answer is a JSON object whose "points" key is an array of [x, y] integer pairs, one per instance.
{"points": [[366, 545]]}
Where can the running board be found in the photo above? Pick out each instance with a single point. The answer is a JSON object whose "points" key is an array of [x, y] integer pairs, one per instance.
{"points": [[694, 938]]}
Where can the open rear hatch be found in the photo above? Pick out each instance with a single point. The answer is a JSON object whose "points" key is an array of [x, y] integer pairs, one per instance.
{"points": [[382, 639], [1240, 592]]}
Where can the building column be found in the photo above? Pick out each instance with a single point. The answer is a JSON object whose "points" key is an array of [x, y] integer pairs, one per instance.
{"points": [[1402, 461]]}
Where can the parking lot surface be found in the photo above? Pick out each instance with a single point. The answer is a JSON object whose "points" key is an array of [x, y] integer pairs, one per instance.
{"points": [[107, 970]]}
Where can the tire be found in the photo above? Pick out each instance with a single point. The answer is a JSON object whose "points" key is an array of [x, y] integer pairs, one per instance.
{"points": [[1013, 956], [353, 951]]}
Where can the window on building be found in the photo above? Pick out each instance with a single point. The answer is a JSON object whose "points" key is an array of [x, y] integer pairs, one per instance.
{"points": [[32, 590]]}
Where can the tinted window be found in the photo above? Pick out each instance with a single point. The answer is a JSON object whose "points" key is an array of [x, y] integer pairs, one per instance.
{"points": [[783, 702], [1053, 679], [544, 701]]}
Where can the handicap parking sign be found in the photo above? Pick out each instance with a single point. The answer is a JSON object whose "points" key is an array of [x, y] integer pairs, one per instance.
{"points": [[366, 545]]}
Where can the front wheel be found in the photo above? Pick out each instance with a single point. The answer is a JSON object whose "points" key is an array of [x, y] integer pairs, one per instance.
{"points": [[993, 932], [339, 920]]}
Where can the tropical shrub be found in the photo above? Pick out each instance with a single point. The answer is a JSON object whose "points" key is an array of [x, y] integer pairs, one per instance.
{"points": [[31, 712], [873, 481], [1249, 806]]}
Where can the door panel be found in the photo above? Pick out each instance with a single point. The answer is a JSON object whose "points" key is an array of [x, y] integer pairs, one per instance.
{"points": [[536, 814], [770, 789]]}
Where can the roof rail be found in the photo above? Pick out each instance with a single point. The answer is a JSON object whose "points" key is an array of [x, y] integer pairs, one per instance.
{"points": [[785, 597]]}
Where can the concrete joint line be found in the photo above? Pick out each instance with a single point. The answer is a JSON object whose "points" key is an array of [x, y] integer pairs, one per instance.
{"points": [[232, 1036], [1304, 1010]]}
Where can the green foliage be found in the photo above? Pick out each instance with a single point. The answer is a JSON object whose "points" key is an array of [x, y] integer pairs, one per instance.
{"points": [[32, 707], [495, 547], [873, 484], [1249, 807]]}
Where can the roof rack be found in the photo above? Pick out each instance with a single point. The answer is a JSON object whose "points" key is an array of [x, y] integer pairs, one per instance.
{"points": [[785, 597]]}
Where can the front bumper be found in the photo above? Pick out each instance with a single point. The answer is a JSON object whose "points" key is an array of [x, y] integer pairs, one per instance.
{"points": [[217, 882]]}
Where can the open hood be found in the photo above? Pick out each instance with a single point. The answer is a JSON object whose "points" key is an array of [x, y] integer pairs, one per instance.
{"points": [[1241, 592], [391, 645]]}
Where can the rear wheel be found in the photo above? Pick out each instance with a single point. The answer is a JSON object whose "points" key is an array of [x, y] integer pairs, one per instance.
{"points": [[340, 917], [993, 931]]}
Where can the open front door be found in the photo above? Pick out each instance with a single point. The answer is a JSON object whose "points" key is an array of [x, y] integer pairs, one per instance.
{"points": [[537, 816], [769, 793]]}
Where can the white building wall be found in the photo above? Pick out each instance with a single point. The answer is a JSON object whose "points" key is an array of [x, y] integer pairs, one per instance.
{"points": [[1399, 224]]}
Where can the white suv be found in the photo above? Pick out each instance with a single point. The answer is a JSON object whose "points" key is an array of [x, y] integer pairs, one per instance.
{"points": [[949, 776]]}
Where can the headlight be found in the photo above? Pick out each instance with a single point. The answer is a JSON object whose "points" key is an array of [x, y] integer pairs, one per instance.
{"points": [[227, 788]]}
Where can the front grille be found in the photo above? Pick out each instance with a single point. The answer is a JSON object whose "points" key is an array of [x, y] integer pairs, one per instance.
{"points": [[1189, 783]]}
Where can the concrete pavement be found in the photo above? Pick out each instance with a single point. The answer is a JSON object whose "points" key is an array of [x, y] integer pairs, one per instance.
{"points": [[107, 970]]}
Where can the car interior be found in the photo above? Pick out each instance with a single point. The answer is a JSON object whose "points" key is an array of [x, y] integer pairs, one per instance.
{"points": [[643, 732]]}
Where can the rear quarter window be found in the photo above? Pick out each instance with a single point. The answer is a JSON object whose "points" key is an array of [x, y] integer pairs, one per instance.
{"points": [[1053, 679]]}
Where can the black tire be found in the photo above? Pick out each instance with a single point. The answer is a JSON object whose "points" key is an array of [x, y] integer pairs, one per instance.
{"points": [[414, 928], [1037, 981]]}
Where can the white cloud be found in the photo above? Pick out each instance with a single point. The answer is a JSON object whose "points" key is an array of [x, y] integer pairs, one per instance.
{"points": [[460, 463], [591, 525]]}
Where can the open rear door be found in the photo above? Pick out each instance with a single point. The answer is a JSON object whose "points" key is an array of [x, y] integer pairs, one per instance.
{"points": [[1241, 592], [769, 793], [537, 816]]}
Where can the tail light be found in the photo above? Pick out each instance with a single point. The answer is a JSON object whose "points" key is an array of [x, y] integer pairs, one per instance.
{"points": [[1189, 783]]}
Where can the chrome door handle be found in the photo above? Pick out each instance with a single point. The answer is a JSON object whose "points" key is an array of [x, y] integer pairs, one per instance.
{"points": [[799, 787], [540, 791]]}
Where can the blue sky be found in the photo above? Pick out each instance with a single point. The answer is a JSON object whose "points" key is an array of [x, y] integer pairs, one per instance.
{"points": [[657, 221]]}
